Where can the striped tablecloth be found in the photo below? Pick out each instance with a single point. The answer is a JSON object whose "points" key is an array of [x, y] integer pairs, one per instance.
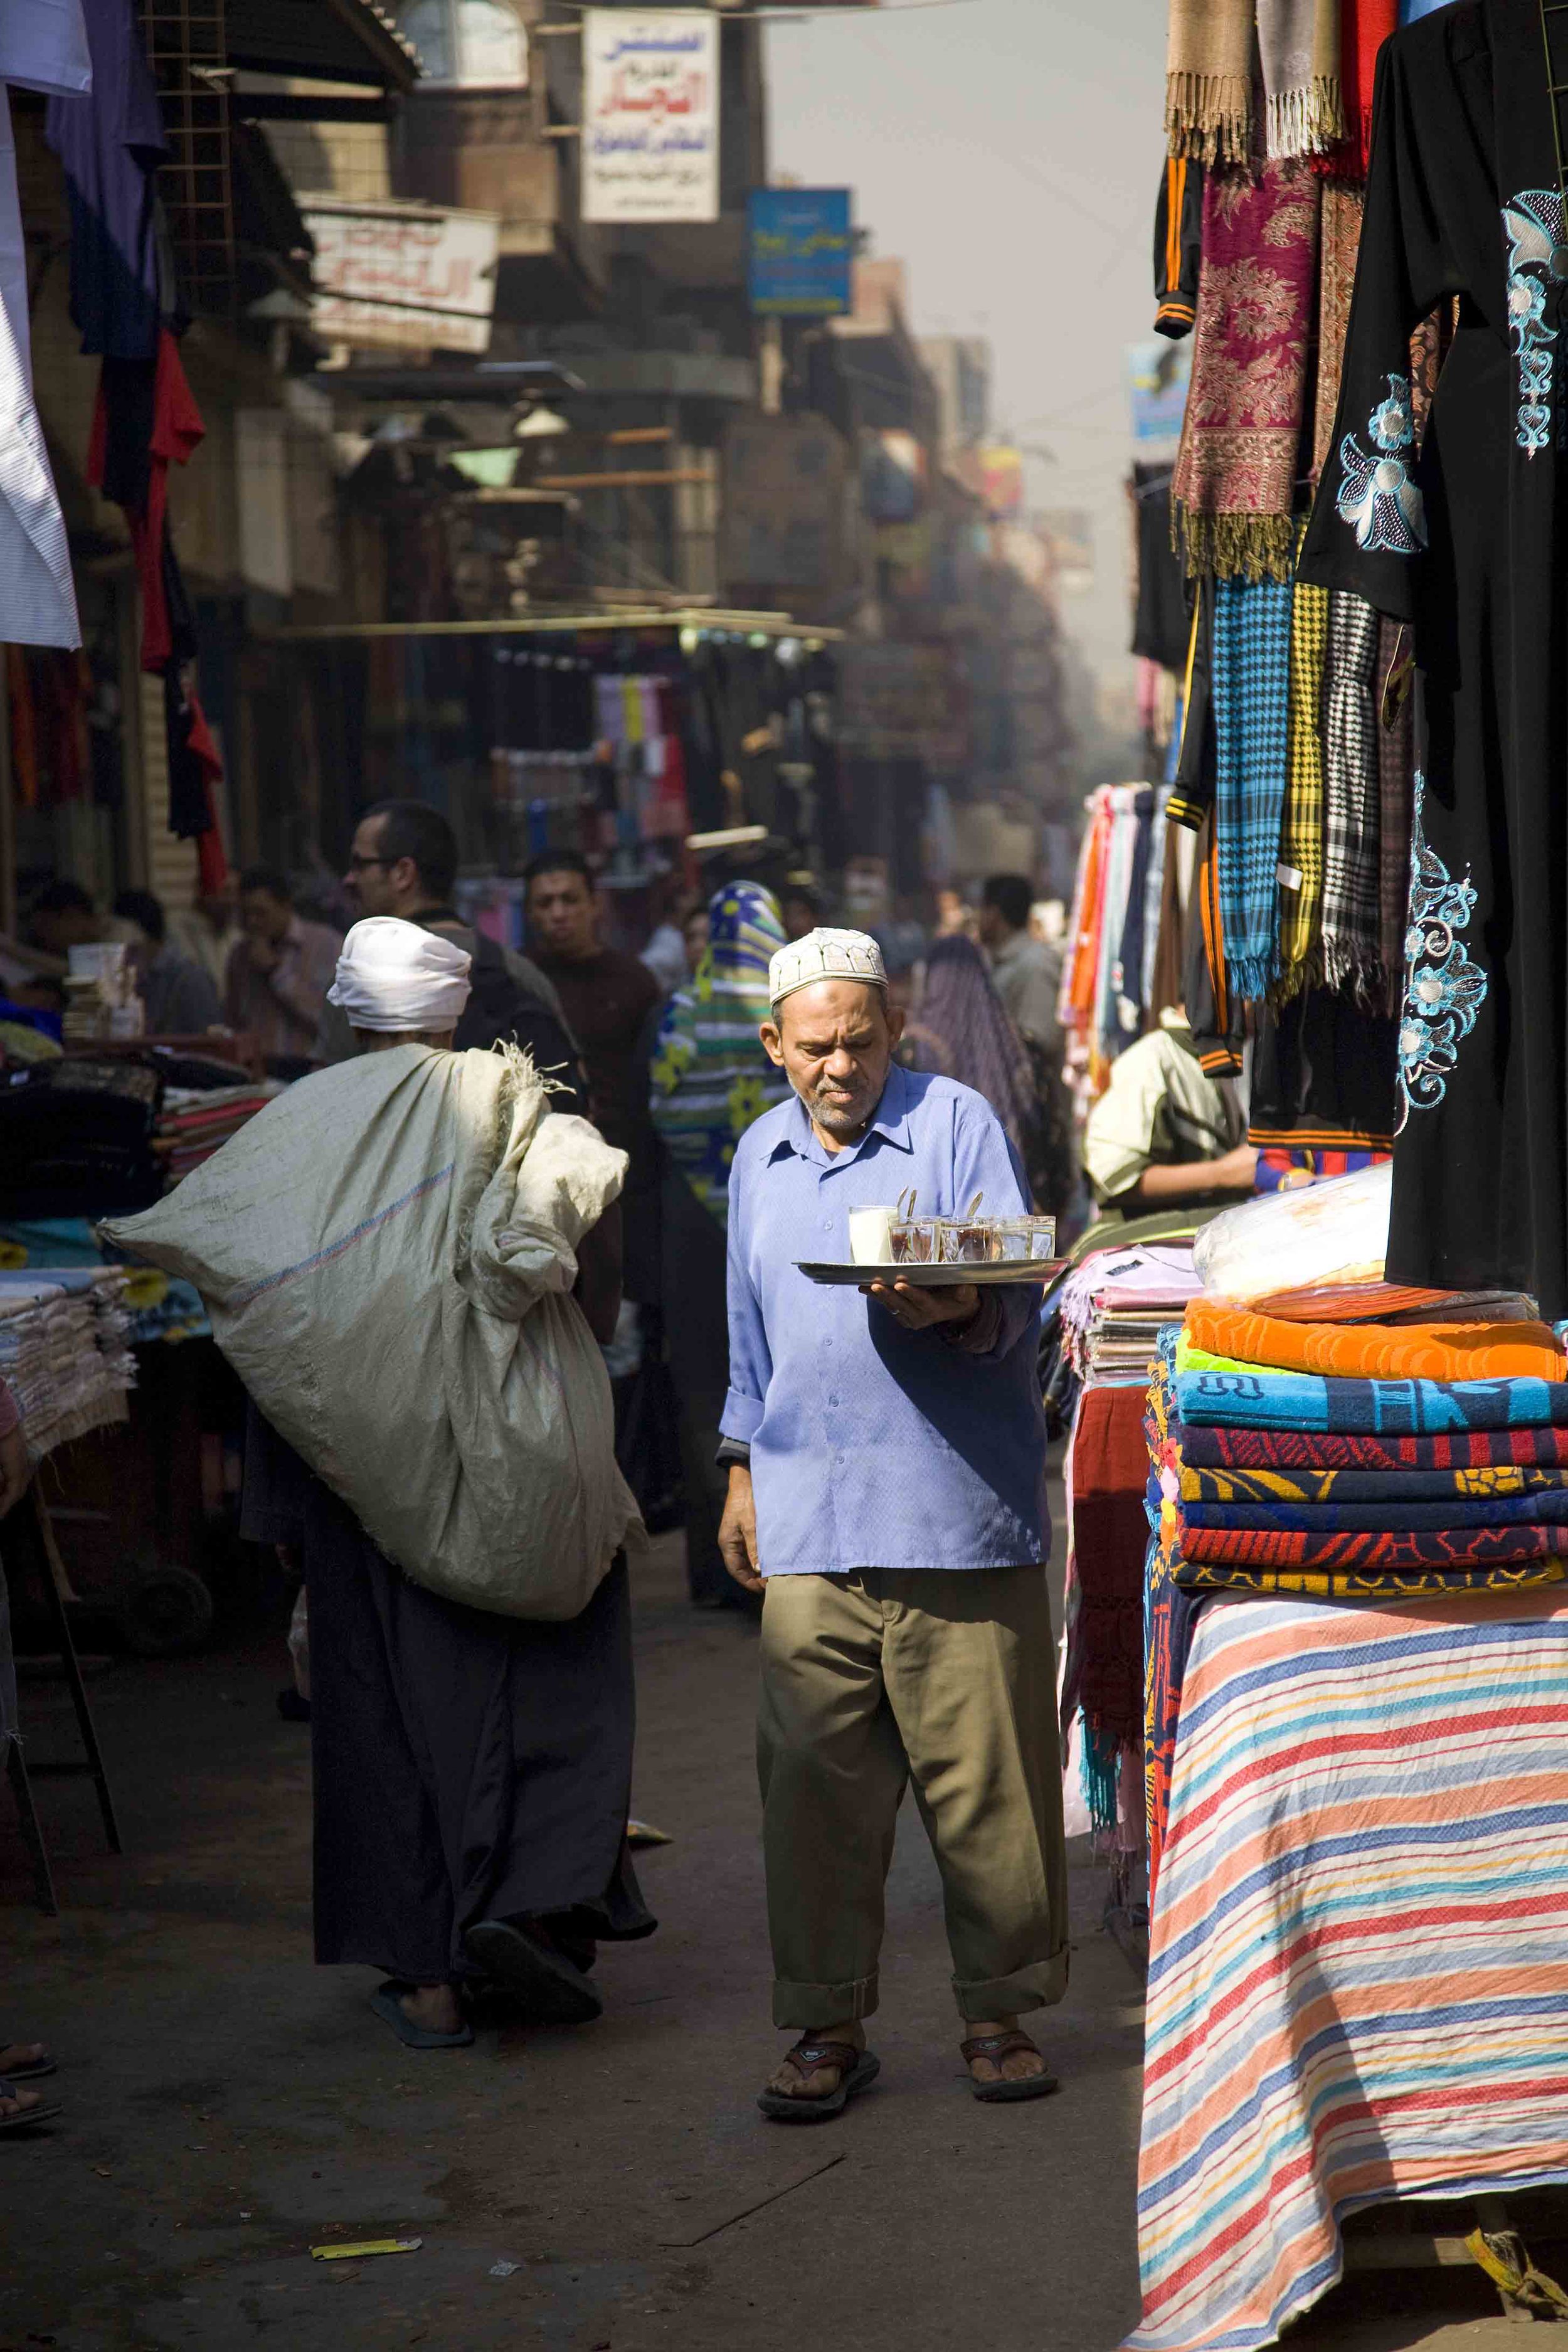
{"points": [[1358, 1980]]}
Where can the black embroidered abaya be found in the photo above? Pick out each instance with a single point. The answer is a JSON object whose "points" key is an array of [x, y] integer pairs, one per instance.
{"points": [[1468, 542]]}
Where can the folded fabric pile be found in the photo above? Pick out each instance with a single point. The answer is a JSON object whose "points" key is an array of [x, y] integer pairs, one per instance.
{"points": [[1115, 1306], [65, 1348], [194, 1122], [1112, 1308], [156, 1305], [1345, 1462]]}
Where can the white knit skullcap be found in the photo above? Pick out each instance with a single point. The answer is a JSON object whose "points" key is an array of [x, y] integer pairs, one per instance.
{"points": [[394, 976], [826, 955]]}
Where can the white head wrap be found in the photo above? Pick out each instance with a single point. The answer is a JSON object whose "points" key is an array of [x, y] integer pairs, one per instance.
{"points": [[394, 976], [826, 955]]}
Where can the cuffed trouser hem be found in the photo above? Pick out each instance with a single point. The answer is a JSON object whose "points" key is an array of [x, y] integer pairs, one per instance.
{"points": [[1038, 1986], [807, 2008]]}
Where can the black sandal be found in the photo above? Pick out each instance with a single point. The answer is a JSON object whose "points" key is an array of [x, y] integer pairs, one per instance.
{"points": [[32, 2068], [1006, 2088], [25, 2118], [857, 2070]]}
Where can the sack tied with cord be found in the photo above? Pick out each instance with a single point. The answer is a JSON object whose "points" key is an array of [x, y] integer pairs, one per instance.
{"points": [[387, 1253]]}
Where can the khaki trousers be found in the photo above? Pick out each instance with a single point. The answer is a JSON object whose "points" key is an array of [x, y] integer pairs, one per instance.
{"points": [[947, 1677]]}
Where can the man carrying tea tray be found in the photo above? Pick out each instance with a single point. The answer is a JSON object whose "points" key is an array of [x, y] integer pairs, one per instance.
{"points": [[887, 1464]]}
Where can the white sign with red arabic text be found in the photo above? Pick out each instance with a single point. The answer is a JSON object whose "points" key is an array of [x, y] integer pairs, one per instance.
{"points": [[390, 275], [650, 115]]}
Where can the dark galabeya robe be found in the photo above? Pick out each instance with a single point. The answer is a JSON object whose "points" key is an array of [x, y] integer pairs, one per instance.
{"points": [[1468, 542], [466, 1766]]}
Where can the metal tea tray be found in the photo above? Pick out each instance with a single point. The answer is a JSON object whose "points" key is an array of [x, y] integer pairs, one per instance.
{"points": [[986, 1272]]}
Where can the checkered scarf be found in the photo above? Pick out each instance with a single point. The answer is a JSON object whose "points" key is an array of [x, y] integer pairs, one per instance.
{"points": [[1251, 691], [1301, 833], [1352, 916]]}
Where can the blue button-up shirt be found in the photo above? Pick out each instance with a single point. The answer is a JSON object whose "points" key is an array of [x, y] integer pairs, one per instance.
{"points": [[873, 1447]]}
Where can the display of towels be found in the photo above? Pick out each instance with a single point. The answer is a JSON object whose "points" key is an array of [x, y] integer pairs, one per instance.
{"points": [[1343, 1462], [65, 1349]]}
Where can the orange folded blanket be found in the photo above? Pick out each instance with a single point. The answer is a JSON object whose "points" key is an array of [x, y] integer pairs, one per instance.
{"points": [[1378, 1351]]}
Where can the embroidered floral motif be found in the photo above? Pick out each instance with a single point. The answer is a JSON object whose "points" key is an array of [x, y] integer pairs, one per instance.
{"points": [[1533, 224], [1444, 988], [1377, 496]]}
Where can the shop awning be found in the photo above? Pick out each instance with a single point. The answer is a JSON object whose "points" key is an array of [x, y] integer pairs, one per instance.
{"points": [[325, 40]]}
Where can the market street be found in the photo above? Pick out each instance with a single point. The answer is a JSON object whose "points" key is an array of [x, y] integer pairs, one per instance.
{"points": [[229, 2106]]}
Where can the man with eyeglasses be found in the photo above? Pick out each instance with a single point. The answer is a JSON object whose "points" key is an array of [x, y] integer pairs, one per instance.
{"points": [[403, 862]]}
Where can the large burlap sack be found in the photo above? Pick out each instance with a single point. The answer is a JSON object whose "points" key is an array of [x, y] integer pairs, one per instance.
{"points": [[387, 1253]]}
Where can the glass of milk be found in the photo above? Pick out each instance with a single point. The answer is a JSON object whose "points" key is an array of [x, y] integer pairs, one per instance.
{"points": [[870, 1236]]}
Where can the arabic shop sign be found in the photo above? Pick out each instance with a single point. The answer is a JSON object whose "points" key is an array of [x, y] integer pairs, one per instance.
{"points": [[799, 249], [650, 115], [399, 276]]}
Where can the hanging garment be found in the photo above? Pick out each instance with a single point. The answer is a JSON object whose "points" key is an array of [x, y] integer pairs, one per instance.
{"points": [[1298, 46], [24, 728], [42, 47], [1351, 932], [1324, 1078], [1466, 542], [195, 768], [1178, 245], [1365, 25], [1301, 827], [144, 421], [1397, 800], [1118, 865], [1208, 80], [1236, 470], [1251, 687], [110, 142], [1218, 1022], [1339, 240], [1162, 625]]}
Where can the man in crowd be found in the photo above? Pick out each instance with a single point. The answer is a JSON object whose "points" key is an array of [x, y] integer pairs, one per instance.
{"points": [[280, 971], [207, 934], [608, 996], [801, 907], [61, 916], [472, 1771], [887, 1496], [1164, 1134], [178, 993], [33, 969], [403, 862], [1027, 972]]}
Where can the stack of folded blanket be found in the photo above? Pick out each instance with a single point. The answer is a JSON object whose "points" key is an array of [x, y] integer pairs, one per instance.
{"points": [[65, 1351], [196, 1122], [1112, 1311], [1354, 1461]]}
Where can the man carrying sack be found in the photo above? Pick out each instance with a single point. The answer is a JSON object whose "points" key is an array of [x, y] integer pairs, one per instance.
{"points": [[887, 1496], [406, 1259]]}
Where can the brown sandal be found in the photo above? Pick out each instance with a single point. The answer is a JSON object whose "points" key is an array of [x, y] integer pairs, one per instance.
{"points": [[1006, 2088], [857, 2070]]}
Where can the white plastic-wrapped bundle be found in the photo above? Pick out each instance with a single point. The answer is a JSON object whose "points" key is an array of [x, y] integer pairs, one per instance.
{"points": [[1332, 1232]]}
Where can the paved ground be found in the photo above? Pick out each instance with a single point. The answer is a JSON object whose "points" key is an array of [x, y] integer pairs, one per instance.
{"points": [[230, 2106]]}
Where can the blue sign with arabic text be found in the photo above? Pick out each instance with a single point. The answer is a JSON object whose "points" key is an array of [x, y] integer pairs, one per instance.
{"points": [[800, 246]]}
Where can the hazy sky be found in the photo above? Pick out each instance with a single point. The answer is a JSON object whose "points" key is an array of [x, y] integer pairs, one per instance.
{"points": [[1010, 152]]}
